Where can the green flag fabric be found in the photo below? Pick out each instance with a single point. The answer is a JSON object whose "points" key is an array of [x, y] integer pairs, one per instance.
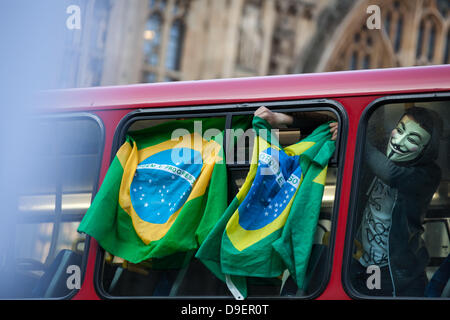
{"points": [[161, 195], [270, 224]]}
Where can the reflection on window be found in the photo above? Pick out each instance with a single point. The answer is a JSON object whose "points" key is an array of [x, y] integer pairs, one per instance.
{"points": [[58, 191], [34, 244], [403, 209]]}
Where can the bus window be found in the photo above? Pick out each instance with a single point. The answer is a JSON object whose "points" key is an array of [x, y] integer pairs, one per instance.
{"points": [[318, 263], [401, 230], [60, 182], [122, 278]]}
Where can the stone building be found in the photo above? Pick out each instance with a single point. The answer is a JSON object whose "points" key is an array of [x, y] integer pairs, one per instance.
{"points": [[135, 41]]}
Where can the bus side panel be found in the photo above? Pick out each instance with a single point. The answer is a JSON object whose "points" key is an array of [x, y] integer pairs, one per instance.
{"points": [[354, 107], [110, 121]]}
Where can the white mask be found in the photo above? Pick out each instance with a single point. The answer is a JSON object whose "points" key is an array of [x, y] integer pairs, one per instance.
{"points": [[407, 140]]}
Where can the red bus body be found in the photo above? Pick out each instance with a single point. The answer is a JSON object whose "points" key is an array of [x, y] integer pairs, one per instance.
{"points": [[354, 90]]}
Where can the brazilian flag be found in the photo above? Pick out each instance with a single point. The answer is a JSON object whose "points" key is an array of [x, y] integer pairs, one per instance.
{"points": [[269, 226], [164, 191]]}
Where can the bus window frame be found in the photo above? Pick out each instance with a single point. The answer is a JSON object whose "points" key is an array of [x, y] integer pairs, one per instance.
{"points": [[72, 217], [228, 111], [351, 227]]}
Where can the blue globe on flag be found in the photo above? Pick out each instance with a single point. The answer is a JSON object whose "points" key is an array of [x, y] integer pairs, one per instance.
{"points": [[163, 182]]}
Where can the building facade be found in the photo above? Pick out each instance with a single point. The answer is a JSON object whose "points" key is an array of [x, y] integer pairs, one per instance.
{"points": [[138, 41]]}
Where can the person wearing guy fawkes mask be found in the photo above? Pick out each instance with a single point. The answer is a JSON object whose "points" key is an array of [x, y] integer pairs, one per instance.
{"points": [[405, 179]]}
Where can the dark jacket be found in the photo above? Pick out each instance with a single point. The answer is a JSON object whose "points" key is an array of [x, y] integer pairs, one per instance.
{"points": [[415, 187]]}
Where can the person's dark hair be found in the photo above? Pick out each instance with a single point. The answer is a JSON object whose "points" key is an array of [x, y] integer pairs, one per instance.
{"points": [[433, 124], [427, 119]]}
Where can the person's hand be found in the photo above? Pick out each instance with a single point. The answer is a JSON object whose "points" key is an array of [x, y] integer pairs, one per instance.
{"points": [[275, 119], [334, 130]]}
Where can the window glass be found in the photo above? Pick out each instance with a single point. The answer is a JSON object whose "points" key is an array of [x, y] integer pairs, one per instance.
{"points": [[174, 46], [56, 193], [152, 37], [120, 277], [164, 34], [123, 278], [401, 230], [304, 124], [430, 30]]}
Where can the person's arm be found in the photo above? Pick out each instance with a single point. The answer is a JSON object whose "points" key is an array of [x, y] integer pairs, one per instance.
{"points": [[298, 120], [275, 119], [407, 179]]}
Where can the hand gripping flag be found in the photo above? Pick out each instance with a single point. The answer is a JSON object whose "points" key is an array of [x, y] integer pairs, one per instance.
{"points": [[160, 195], [270, 224]]}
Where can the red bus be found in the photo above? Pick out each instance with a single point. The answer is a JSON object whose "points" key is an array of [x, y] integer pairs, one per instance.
{"points": [[87, 127]]}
